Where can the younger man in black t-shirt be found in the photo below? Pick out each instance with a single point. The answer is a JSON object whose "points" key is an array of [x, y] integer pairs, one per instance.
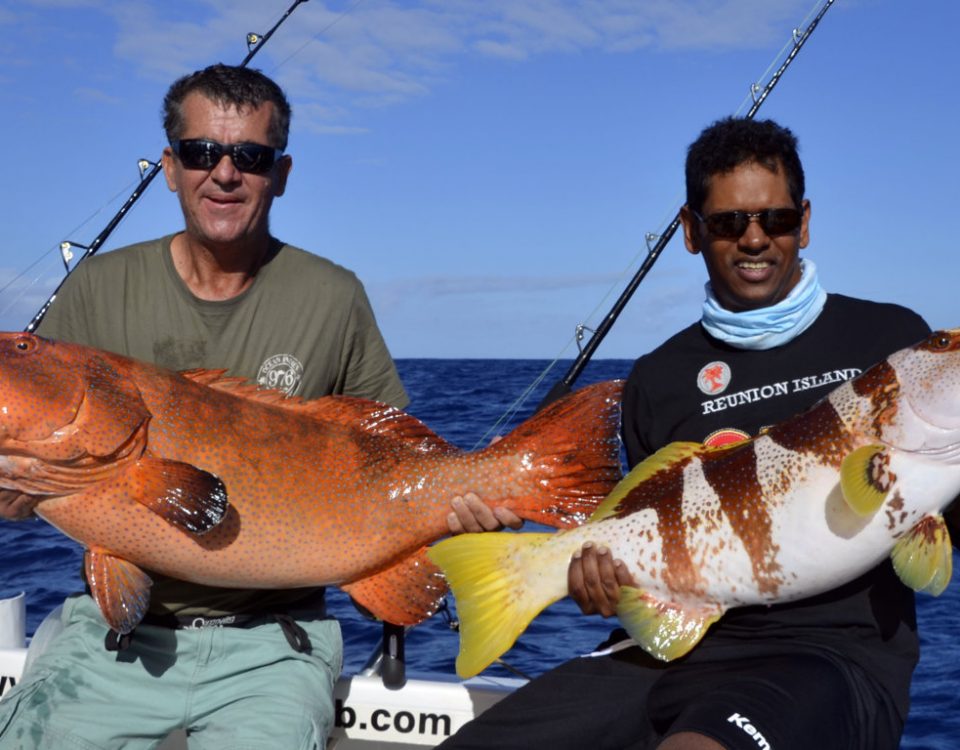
{"points": [[832, 671]]}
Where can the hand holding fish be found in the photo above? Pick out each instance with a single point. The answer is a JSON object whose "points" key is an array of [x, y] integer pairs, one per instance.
{"points": [[16, 506], [594, 580], [471, 515]]}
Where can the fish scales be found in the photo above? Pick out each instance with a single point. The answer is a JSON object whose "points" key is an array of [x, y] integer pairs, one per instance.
{"points": [[809, 504], [208, 479]]}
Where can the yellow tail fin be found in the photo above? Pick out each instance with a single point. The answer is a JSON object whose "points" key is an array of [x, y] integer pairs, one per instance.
{"points": [[499, 589]]}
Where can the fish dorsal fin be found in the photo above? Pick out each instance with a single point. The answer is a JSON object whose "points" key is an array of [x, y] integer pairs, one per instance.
{"points": [[865, 479], [120, 588], [667, 456], [373, 417], [404, 594], [240, 387], [923, 558], [376, 418], [666, 631]]}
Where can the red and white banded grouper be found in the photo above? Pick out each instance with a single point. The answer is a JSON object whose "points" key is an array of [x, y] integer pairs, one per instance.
{"points": [[210, 480], [811, 503]]}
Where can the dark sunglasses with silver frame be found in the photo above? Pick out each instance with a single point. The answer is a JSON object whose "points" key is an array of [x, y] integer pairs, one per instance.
{"points": [[201, 153], [730, 225]]}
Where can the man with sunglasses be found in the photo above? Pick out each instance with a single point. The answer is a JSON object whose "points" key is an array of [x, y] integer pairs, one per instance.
{"points": [[237, 668], [831, 672]]}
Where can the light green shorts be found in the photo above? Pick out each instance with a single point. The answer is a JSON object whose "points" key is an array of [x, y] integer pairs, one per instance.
{"points": [[228, 687]]}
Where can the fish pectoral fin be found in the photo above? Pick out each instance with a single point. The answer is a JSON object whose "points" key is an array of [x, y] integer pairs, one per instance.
{"points": [[664, 630], [923, 558], [120, 589], [183, 495], [865, 479], [667, 456], [403, 594]]}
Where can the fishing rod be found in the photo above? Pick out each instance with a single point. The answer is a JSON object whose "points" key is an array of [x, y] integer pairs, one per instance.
{"points": [[565, 384], [148, 170]]}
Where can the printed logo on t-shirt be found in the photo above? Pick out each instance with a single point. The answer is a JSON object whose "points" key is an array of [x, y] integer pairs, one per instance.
{"points": [[282, 372], [743, 723], [714, 378], [725, 436]]}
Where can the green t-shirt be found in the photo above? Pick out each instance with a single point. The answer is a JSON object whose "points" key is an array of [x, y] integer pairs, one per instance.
{"points": [[304, 326]]}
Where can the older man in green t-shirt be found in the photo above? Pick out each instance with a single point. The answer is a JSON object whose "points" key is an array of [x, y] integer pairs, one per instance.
{"points": [[223, 293]]}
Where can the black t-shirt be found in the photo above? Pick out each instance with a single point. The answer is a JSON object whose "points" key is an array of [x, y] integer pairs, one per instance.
{"points": [[696, 388]]}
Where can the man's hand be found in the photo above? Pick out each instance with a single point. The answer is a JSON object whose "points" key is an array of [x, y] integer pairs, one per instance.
{"points": [[594, 579], [15, 506], [471, 514]]}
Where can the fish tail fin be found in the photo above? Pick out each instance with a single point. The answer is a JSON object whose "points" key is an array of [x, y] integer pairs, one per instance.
{"points": [[575, 442], [496, 596]]}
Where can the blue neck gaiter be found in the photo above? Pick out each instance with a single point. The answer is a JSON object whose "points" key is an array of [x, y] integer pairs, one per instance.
{"points": [[767, 327]]}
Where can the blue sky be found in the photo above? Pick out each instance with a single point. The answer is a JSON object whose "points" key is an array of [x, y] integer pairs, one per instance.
{"points": [[490, 168]]}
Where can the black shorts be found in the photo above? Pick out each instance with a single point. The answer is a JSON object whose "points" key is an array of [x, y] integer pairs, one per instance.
{"points": [[774, 701]]}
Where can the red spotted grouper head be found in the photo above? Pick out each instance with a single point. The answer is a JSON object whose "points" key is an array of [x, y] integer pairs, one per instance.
{"points": [[61, 405]]}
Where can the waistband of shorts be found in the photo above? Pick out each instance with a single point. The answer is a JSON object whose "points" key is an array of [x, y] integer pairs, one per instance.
{"points": [[312, 608]]}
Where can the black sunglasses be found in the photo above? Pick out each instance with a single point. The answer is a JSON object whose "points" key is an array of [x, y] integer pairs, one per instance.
{"points": [[199, 153], [730, 225]]}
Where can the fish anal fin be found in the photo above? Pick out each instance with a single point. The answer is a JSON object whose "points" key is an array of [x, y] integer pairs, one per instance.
{"points": [[403, 594], [666, 631], [120, 589], [923, 558], [183, 495], [866, 479], [667, 456]]}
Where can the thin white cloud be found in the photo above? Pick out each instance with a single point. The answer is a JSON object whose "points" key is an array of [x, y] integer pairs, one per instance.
{"points": [[337, 60], [435, 287], [96, 95]]}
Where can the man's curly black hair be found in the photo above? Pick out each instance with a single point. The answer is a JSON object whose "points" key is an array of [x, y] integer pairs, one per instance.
{"points": [[730, 142]]}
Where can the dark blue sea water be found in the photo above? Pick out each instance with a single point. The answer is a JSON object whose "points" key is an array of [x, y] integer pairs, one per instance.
{"points": [[461, 400]]}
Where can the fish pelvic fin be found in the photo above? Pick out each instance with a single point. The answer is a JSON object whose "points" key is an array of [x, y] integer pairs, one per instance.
{"points": [[923, 558], [189, 498], [666, 631], [576, 441], [664, 458], [403, 594], [865, 479], [120, 589], [496, 595]]}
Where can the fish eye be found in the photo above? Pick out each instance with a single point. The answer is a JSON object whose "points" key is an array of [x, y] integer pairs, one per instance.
{"points": [[26, 345], [939, 341]]}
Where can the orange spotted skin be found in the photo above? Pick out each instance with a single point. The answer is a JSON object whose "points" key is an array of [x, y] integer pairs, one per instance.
{"points": [[314, 499]]}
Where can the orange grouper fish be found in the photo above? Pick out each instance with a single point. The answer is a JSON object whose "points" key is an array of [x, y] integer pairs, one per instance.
{"points": [[211, 480], [811, 503]]}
